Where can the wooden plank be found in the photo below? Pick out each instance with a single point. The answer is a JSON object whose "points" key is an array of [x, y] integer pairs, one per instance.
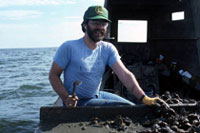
{"points": [[52, 116], [64, 115]]}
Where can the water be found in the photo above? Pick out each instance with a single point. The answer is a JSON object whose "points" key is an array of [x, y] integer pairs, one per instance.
{"points": [[24, 87]]}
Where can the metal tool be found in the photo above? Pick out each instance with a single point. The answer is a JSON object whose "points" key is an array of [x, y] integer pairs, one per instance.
{"points": [[74, 87]]}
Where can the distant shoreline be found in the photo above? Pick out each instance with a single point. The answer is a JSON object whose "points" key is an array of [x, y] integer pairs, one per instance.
{"points": [[28, 48]]}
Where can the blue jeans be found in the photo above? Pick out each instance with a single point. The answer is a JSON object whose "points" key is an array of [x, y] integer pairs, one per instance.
{"points": [[104, 99]]}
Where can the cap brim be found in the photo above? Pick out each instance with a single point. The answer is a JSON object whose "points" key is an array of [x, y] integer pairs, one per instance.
{"points": [[100, 17]]}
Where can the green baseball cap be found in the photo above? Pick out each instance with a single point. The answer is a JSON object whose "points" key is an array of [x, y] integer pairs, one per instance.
{"points": [[96, 12]]}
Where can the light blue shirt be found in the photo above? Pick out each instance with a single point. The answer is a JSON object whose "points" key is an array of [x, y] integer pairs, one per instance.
{"points": [[86, 65]]}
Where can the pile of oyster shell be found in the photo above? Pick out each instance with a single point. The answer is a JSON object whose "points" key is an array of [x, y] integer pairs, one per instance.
{"points": [[170, 121], [120, 123], [165, 119]]}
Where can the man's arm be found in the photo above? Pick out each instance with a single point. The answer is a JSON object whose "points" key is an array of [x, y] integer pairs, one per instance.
{"points": [[56, 82], [127, 78], [130, 82]]}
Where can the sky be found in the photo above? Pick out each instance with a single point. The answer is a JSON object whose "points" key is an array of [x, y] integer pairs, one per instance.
{"points": [[41, 23]]}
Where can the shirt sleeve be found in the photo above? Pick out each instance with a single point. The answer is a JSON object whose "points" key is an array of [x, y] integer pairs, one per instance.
{"points": [[62, 56], [113, 55]]}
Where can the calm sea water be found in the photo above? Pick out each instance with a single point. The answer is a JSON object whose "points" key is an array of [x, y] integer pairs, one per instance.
{"points": [[24, 87]]}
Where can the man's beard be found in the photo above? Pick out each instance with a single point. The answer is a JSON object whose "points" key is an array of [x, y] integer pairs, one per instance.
{"points": [[91, 34]]}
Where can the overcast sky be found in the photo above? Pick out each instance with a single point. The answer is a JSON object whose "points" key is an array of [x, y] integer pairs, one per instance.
{"points": [[41, 23]]}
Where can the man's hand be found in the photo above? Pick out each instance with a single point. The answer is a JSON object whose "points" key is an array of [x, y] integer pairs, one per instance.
{"points": [[71, 102], [152, 101]]}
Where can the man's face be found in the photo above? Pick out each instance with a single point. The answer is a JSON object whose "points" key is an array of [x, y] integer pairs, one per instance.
{"points": [[96, 29]]}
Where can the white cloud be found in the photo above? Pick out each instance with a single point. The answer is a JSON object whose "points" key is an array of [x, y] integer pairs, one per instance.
{"points": [[73, 17], [35, 35], [101, 2], [4, 3], [94, 2], [19, 14]]}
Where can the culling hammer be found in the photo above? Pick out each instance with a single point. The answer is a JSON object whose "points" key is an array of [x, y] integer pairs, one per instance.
{"points": [[74, 87]]}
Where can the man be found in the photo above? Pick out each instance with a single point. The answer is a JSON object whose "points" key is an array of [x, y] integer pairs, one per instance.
{"points": [[85, 60]]}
